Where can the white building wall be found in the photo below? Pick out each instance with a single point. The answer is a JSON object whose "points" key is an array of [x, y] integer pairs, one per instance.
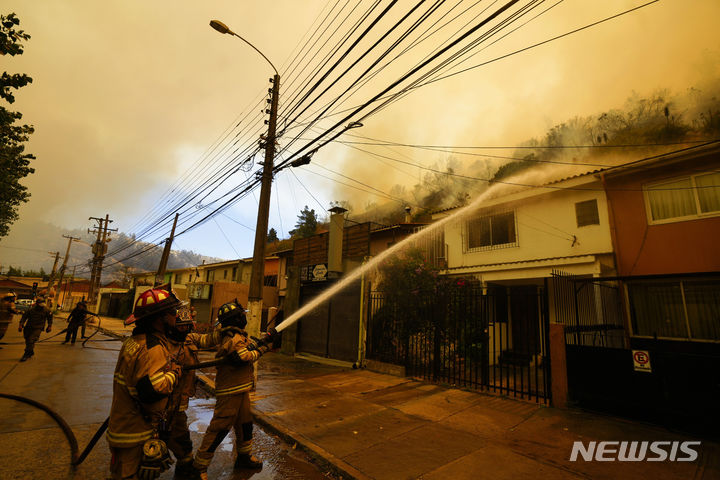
{"points": [[546, 227]]}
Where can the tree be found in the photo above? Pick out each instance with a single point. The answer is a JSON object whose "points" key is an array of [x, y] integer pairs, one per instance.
{"points": [[306, 224], [272, 236], [14, 163]]}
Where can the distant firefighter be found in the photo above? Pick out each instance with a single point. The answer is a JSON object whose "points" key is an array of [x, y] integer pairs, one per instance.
{"points": [[7, 310], [32, 324], [75, 320]]}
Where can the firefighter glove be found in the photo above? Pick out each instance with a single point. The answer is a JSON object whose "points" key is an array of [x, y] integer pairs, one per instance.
{"points": [[155, 461]]}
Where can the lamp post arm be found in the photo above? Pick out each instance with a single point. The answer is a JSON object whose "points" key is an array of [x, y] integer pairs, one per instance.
{"points": [[254, 48]]}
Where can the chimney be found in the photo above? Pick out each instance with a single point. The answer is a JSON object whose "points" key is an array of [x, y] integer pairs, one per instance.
{"points": [[335, 242], [408, 218]]}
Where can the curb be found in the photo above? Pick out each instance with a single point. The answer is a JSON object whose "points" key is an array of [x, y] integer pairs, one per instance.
{"points": [[318, 454]]}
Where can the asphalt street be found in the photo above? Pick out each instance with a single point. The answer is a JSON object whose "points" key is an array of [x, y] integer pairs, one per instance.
{"points": [[76, 382]]}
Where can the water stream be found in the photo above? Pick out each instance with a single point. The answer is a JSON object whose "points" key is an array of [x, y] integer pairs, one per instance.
{"points": [[530, 179]]}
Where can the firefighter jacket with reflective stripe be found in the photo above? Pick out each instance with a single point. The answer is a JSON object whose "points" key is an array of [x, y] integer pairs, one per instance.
{"points": [[186, 385], [237, 376], [146, 373], [36, 317]]}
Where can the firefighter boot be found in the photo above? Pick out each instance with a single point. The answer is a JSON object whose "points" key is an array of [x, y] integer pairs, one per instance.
{"points": [[186, 471], [248, 461]]}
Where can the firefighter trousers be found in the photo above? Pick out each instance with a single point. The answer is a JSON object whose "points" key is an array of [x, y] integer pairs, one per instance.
{"points": [[125, 462], [231, 411], [179, 442], [31, 335]]}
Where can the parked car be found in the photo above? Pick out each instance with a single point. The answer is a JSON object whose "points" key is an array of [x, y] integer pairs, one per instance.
{"points": [[24, 304]]}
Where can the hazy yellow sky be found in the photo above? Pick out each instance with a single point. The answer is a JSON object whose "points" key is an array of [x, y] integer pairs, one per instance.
{"points": [[128, 95]]}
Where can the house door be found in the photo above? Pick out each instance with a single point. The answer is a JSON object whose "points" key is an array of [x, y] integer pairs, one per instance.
{"points": [[525, 320]]}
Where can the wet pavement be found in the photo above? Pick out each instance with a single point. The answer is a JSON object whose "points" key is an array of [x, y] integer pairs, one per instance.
{"points": [[355, 423], [76, 382]]}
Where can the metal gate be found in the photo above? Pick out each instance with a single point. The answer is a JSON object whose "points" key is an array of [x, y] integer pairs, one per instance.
{"points": [[487, 339], [682, 386], [331, 329]]}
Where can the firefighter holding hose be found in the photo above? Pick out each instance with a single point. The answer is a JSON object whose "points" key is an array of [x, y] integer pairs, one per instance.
{"points": [[233, 382], [179, 441], [148, 369]]}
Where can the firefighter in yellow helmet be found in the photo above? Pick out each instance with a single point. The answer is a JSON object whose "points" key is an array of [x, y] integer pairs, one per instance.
{"points": [[148, 369], [233, 382]]}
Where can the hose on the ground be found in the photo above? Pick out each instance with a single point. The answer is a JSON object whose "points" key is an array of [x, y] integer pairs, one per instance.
{"points": [[75, 458]]}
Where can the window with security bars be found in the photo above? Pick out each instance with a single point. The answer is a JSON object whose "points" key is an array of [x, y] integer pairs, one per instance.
{"points": [[687, 309], [586, 213], [684, 198], [491, 231]]}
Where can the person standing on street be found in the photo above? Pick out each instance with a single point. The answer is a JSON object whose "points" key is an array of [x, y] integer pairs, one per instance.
{"points": [[233, 382], [179, 441], [75, 319], [147, 372], [32, 324], [7, 310]]}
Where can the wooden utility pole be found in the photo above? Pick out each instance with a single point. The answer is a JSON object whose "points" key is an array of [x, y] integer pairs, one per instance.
{"points": [[160, 275], [99, 250], [257, 272], [64, 265], [54, 269]]}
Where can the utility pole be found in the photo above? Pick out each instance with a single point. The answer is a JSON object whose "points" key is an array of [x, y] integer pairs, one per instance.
{"points": [[54, 269], [257, 272], [160, 275], [99, 250], [68, 289], [64, 265]]}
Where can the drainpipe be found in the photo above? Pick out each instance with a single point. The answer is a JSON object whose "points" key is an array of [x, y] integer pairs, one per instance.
{"points": [[361, 329]]}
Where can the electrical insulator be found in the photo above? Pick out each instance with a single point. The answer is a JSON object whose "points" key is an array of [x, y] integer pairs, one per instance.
{"points": [[267, 110], [267, 122], [271, 80]]}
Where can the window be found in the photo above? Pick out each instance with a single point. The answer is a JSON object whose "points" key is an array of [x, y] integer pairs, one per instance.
{"points": [[210, 275], [234, 273], [224, 274], [491, 231], [178, 278], [684, 198], [586, 213], [686, 309]]}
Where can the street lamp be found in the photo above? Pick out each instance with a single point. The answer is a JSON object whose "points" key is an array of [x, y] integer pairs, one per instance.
{"points": [[257, 272]]}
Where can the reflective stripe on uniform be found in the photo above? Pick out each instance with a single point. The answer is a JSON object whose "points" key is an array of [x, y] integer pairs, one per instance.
{"points": [[129, 438], [120, 380], [236, 389], [248, 355], [163, 377]]}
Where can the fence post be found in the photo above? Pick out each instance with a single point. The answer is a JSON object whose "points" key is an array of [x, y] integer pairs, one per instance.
{"points": [[558, 366]]}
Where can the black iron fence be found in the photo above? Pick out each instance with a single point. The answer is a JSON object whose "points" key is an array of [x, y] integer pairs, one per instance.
{"points": [[591, 309], [465, 336]]}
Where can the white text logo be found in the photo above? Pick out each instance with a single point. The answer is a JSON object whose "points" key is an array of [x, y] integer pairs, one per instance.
{"points": [[624, 451]]}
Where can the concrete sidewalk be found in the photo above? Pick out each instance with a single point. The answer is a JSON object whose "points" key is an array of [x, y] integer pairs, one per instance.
{"points": [[369, 425]]}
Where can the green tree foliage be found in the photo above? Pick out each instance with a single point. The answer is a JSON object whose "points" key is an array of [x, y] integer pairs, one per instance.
{"points": [[19, 272], [14, 163], [306, 225], [272, 236]]}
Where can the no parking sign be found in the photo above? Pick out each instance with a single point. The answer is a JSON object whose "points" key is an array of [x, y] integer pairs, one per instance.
{"points": [[641, 361]]}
